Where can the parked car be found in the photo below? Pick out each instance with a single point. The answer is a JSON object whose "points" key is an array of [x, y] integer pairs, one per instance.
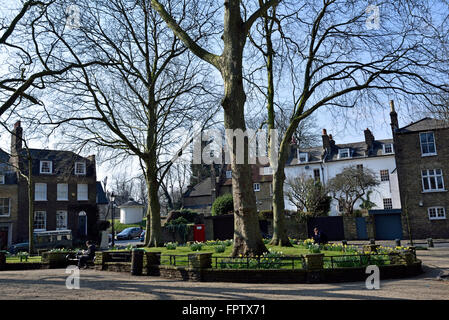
{"points": [[142, 236], [46, 240], [129, 233]]}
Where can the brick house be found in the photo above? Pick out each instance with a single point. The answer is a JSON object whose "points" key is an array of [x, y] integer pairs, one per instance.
{"points": [[64, 187], [422, 158], [201, 196], [8, 202]]}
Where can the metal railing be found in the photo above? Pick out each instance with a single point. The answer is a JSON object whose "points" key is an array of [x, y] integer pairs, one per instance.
{"points": [[360, 260], [289, 262]]}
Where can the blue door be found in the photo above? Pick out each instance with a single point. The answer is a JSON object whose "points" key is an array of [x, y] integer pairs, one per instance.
{"points": [[362, 233], [388, 226], [82, 224]]}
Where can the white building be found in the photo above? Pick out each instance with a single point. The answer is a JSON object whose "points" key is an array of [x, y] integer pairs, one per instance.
{"points": [[324, 163], [131, 212]]}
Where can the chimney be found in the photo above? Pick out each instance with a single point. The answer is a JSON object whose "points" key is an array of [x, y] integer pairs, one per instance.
{"points": [[394, 118], [369, 139], [16, 139], [326, 141]]}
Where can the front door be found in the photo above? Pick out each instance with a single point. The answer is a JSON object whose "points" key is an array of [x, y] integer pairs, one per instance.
{"points": [[82, 224]]}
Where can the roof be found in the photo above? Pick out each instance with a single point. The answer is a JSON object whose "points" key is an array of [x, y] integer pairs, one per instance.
{"points": [[357, 149], [424, 124], [201, 189], [101, 195], [130, 203]]}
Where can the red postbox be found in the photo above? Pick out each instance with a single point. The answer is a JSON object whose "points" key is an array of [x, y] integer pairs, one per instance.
{"points": [[199, 234]]}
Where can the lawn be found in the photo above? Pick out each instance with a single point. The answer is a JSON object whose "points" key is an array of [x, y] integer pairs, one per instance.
{"points": [[16, 259]]}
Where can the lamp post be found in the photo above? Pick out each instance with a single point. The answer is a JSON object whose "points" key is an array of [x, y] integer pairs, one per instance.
{"points": [[112, 198]]}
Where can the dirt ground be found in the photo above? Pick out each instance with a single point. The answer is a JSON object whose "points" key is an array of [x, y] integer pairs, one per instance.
{"points": [[98, 285]]}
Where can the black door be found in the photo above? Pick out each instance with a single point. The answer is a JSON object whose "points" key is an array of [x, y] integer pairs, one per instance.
{"points": [[331, 226]]}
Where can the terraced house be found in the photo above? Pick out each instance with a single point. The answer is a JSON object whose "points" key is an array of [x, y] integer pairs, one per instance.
{"points": [[422, 158], [64, 191]]}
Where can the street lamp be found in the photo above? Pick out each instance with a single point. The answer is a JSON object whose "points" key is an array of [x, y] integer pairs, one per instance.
{"points": [[112, 198]]}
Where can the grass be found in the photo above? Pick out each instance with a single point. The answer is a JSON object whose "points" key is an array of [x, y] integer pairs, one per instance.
{"points": [[15, 259]]}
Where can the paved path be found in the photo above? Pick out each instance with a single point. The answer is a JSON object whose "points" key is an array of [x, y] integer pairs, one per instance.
{"points": [[50, 284]]}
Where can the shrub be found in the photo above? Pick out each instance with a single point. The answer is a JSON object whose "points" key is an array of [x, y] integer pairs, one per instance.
{"points": [[314, 248], [220, 248], [171, 245], [223, 205], [196, 246]]}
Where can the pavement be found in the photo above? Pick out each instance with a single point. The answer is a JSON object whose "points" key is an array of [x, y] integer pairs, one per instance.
{"points": [[101, 285]]}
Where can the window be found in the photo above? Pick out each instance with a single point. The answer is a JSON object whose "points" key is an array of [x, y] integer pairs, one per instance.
{"points": [[229, 174], [46, 167], [388, 148], [80, 168], [63, 192], [40, 221], [61, 220], [83, 192], [344, 153], [427, 143], [266, 171], [437, 213], [432, 180], [4, 206], [316, 174], [303, 157], [388, 204], [256, 187], [2, 179], [40, 192], [384, 175]]}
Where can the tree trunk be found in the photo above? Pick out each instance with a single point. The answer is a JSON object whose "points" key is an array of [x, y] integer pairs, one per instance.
{"points": [[280, 237], [247, 236], [153, 235]]}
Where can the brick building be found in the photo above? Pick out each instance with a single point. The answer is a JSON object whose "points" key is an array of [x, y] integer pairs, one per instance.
{"points": [[422, 159], [8, 202], [64, 191]]}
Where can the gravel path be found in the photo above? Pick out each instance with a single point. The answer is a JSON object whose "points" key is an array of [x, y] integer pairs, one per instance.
{"points": [[98, 285]]}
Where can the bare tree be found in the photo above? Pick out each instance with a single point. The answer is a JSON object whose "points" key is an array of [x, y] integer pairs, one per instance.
{"points": [[351, 185], [343, 54], [30, 56], [143, 104], [247, 236]]}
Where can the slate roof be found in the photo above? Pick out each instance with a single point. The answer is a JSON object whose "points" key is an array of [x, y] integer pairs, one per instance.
{"points": [[424, 124], [357, 149], [130, 203], [201, 189]]}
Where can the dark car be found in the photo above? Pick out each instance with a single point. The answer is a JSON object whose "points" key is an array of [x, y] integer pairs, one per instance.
{"points": [[129, 233], [142, 236], [46, 240]]}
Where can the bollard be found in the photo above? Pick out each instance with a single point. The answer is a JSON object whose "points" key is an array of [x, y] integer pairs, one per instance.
{"points": [[430, 242], [137, 262], [372, 241], [398, 242]]}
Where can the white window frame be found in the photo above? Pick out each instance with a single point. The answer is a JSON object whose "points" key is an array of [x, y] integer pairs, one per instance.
{"points": [[266, 171], [428, 178], [83, 173], [344, 150], [50, 166], [229, 174], [2, 179], [65, 215], [387, 175], [390, 203], [256, 187], [302, 154], [36, 193], [434, 144], [45, 221], [78, 193], [62, 194], [9, 208], [437, 217], [384, 148]]}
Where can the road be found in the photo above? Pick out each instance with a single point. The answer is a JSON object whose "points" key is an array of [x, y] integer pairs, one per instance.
{"points": [[50, 284]]}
